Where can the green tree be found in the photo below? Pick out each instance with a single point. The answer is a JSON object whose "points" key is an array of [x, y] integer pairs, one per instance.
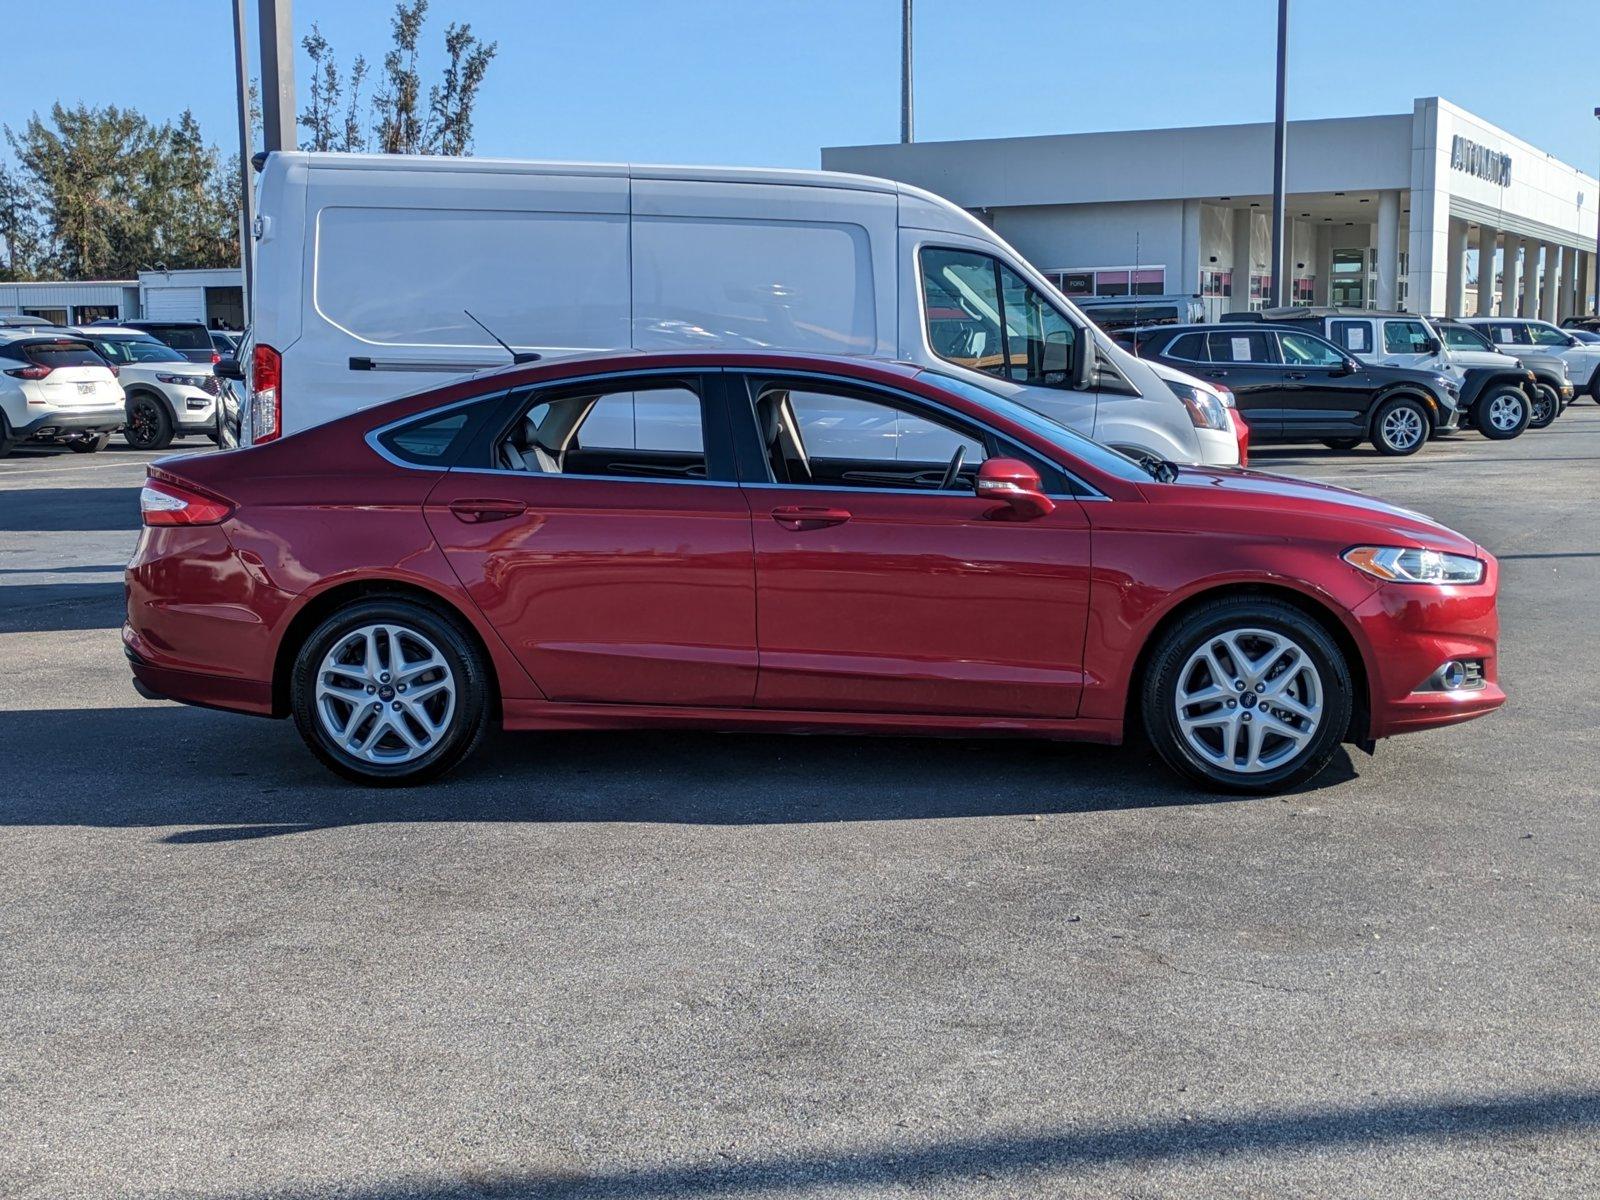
{"points": [[22, 235], [331, 129], [399, 125]]}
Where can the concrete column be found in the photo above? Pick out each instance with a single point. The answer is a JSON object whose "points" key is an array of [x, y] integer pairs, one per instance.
{"points": [[1552, 282], [1322, 236], [1242, 258], [1512, 271], [1388, 273], [1188, 280], [1569, 284], [1486, 239], [1530, 279], [1455, 268]]}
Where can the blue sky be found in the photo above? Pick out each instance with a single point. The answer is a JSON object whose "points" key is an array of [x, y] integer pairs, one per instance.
{"points": [[769, 82]]}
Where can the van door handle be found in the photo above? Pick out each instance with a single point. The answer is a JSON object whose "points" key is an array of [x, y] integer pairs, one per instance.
{"points": [[477, 512], [798, 518]]}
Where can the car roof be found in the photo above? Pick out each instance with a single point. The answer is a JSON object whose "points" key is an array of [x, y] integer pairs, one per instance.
{"points": [[111, 330], [1315, 311], [791, 360]]}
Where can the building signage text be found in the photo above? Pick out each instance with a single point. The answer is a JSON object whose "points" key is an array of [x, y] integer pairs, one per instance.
{"points": [[1481, 161]]}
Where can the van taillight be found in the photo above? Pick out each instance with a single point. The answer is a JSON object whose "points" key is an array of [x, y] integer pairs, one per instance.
{"points": [[266, 399], [163, 502]]}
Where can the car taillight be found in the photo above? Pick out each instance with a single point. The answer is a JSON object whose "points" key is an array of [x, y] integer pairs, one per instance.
{"points": [[215, 358], [1241, 435], [114, 369], [35, 371], [162, 502], [266, 399]]}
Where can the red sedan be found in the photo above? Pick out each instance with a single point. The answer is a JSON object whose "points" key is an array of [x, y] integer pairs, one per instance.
{"points": [[785, 542]]}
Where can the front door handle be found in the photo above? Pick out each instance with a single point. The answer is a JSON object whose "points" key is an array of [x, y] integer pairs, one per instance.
{"points": [[1216, 374], [476, 512], [1294, 375], [799, 518]]}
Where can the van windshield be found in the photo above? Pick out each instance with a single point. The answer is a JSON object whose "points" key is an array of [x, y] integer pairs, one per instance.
{"points": [[1102, 458]]}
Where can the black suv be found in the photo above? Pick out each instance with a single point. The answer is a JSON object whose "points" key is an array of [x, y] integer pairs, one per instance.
{"points": [[1293, 386], [189, 338]]}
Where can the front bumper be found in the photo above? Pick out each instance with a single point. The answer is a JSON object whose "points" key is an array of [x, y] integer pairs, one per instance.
{"points": [[72, 422], [193, 408]]}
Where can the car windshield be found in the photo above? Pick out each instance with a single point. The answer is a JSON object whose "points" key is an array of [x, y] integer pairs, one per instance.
{"points": [[137, 350], [1103, 458]]}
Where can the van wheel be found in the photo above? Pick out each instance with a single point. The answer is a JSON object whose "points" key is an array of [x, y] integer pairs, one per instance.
{"points": [[1546, 407], [1341, 443], [1503, 413], [1400, 426], [390, 692], [149, 424], [92, 445], [1247, 695]]}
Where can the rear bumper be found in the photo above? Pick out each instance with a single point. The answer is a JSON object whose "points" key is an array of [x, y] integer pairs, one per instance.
{"points": [[155, 682], [69, 422]]}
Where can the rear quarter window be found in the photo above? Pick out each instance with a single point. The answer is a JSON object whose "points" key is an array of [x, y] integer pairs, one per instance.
{"points": [[1191, 347]]}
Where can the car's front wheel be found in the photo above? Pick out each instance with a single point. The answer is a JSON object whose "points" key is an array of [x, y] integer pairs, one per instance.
{"points": [[1503, 413], [390, 691], [149, 425], [1247, 695], [1400, 426]]}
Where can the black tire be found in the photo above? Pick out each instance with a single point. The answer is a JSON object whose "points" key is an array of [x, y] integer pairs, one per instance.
{"points": [[1210, 622], [1546, 408], [92, 445], [464, 724], [149, 424], [8, 442], [1501, 413], [1401, 426], [1341, 443]]}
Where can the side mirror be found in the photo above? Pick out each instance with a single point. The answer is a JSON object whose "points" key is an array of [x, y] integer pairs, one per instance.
{"points": [[1348, 366], [228, 368], [1016, 485], [1572, 341], [1083, 363], [1432, 346]]}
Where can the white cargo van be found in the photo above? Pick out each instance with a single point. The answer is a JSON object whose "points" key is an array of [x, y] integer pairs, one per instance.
{"points": [[367, 266]]}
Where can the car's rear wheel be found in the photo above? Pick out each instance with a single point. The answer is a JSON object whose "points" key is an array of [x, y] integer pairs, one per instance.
{"points": [[1400, 426], [390, 691], [1546, 407], [1503, 413], [1341, 443], [149, 424], [8, 441], [1247, 695], [90, 445]]}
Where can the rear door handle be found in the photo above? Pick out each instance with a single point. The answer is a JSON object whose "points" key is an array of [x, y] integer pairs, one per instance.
{"points": [[476, 512], [799, 518]]}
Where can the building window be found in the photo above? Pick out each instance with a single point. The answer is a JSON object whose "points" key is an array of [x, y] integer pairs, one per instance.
{"points": [[1304, 289], [1216, 283], [1110, 281], [84, 314]]}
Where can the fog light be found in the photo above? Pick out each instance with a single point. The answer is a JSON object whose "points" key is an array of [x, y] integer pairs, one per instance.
{"points": [[1453, 675]]}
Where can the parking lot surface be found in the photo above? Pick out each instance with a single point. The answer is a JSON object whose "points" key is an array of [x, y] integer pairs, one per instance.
{"points": [[684, 964]]}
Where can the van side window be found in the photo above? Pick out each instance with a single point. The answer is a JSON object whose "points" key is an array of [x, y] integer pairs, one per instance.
{"points": [[1354, 336], [982, 315]]}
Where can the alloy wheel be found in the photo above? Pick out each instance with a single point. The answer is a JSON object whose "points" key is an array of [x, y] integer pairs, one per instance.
{"points": [[1505, 412], [1403, 427], [143, 421], [385, 694], [1249, 700]]}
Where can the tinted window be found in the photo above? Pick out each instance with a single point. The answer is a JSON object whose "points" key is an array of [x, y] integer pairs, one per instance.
{"points": [[1405, 337], [62, 354], [1354, 336], [983, 315], [1303, 350], [1191, 346], [137, 350], [429, 440], [183, 337], [1241, 347]]}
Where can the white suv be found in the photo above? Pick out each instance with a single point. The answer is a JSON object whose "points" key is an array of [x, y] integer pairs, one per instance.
{"points": [[1517, 335], [55, 389], [167, 395]]}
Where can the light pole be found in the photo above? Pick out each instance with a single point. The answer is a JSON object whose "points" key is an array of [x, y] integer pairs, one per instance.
{"points": [[1597, 249], [1280, 148], [247, 196], [277, 74], [905, 72]]}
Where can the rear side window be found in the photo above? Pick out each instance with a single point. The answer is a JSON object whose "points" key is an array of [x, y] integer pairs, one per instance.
{"points": [[62, 354], [1354, 336], [1231, 347], [1190, 347]]}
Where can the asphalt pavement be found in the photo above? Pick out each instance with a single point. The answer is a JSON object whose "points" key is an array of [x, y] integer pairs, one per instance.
{"points": [[640, 965]]}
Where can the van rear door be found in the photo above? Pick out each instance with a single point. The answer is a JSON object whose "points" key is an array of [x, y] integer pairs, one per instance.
{"points": [[396, 258]]}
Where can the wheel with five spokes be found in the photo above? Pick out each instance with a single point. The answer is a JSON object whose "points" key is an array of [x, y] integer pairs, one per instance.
{"points": [[1247, 695], [390, 691]]}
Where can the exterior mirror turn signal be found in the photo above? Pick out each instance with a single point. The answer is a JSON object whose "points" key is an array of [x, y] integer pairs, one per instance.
{"points": [[1016, 485]]}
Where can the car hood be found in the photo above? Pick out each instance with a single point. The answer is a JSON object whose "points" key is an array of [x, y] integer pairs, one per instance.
{"points": [[1287, 496], [149, 370]]}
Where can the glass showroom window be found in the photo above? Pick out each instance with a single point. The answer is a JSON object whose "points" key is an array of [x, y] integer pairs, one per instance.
{"points": [[1216, 283]]}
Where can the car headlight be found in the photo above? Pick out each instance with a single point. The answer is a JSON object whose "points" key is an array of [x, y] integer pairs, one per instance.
{"points": [[190, 380], [1205, 410], [1396, 564]]}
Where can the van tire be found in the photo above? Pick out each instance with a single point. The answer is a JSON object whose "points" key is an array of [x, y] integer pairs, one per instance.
{"points": [[149, 425], [1401, 427], [1503, 429]]}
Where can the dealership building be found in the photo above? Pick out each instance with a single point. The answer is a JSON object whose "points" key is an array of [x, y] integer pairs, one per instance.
{"points": [[1386, 211]]}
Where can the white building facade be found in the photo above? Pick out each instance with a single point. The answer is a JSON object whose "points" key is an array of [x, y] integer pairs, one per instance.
{"points": [[1393, 211]]}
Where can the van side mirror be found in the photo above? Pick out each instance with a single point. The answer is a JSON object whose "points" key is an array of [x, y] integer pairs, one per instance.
{"points": [[1083, 365], [228, 367], [1016, 485]]}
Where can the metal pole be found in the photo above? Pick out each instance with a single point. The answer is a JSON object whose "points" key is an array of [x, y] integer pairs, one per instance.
{"points": [[277, 75], [1280, 146], [247, 196], [1597, 249], [905, 72]]}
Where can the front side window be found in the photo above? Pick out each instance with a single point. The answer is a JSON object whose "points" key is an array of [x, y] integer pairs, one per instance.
{"points": [[1231, 347], [1463, 337], [1304, 350], [1405, 337], [1547, 335], [639, 432], [982, 315]]}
